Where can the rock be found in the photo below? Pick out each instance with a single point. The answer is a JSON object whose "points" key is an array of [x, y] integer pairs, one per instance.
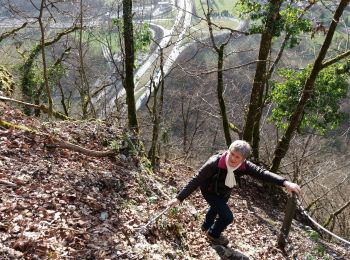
{"points": [[103, 216]]}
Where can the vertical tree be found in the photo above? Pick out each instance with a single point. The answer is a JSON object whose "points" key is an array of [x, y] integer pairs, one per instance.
{"points": [[129, 64], [85, 95], [272, 19], [157, 109], [219, 49], [319, 64], [42, 40], [256, 98]]}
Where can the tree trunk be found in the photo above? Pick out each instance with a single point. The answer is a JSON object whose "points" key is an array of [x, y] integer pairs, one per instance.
{"points": [[220, 84], [46, 81], [185, 114], [283, 144], [257, 119], [255, 104], [58, 62], [85, 86], [152, 154], [256, 135], [129, 65], [63, 99], [220, 90], [157, 110], [37, 97]]}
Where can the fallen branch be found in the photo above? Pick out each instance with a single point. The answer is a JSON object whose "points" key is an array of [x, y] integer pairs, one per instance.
{"points": [[77, 148], [42, 107], [7, 183], [9, 125], [56, 143]]}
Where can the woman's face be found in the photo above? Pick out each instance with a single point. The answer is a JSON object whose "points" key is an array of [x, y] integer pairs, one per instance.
{"points": [[234, 158]]}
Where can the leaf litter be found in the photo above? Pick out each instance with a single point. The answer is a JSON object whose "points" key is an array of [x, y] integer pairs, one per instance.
{"points": [[60, 204]]}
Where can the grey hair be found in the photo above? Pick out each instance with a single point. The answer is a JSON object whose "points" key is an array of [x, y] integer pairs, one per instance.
{"points": [[241, 147]]}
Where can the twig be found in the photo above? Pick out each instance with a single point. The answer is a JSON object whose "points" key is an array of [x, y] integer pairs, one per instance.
{"points": [[7, 183]]}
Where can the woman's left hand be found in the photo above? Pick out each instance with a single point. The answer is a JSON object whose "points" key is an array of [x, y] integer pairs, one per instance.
{"points": [[292, 187]]}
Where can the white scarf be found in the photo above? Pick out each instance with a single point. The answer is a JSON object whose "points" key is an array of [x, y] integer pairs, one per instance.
{"points": [[230, 180]]}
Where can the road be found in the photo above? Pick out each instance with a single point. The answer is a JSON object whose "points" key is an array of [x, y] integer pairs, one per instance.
{"points": [[186, 13], [142, 91], [116, 89]]}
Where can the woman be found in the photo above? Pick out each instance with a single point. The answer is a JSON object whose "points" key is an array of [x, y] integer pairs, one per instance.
{"points": [[217, 177]]}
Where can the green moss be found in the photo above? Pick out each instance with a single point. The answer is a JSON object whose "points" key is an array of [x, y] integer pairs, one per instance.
{"points": [[7, 85], [9, 125]]}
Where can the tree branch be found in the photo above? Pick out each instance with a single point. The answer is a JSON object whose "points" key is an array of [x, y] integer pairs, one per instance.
{"points": [[8, 183], [42, 107], [325, 194], [226, 69], [56, 143], [335, 59], [7, 34], [336, 213]]}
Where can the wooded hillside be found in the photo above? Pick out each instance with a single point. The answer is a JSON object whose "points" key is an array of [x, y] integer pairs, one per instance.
{"points": [[108, 108], [57, 203]]}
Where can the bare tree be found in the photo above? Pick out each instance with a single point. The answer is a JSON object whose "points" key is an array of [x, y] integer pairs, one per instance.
{"points": [[46, 81], [129, 84], [85, 95], [219, 49], [157, 109]]}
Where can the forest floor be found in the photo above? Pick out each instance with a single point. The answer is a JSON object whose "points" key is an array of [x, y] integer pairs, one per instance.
{"points": [[60, 204]]}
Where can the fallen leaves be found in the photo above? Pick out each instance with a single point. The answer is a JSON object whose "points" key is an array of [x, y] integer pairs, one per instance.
{"points": [[57, 204]]}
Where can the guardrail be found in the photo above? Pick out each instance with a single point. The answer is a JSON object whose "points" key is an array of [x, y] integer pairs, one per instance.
{"points": [[292, 203]]}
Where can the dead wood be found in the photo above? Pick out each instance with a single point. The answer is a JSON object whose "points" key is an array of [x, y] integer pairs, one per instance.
{"points": [[42, 107], [77, 148]]}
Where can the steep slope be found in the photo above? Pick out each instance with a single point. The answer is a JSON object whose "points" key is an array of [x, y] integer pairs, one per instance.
{"points": [[58, 204]]}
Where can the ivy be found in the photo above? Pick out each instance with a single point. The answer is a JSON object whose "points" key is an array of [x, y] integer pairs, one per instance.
{"points": [[143, 37], [322, 112], [290, 21], [142, 34]]}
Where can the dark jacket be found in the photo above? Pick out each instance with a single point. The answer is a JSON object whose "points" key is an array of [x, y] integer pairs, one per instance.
{"points": [[211, 178]]}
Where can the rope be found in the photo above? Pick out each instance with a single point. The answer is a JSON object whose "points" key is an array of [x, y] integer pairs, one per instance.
{"points": [[304, 212]]}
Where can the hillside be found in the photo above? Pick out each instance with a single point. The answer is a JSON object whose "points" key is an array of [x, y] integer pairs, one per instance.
{"points": [[59, 204]]}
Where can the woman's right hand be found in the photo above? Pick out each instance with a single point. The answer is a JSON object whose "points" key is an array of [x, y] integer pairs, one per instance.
{"points": [[173, 202]]}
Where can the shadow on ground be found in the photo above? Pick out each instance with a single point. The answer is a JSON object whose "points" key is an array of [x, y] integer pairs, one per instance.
{"points": [[227, 253]]}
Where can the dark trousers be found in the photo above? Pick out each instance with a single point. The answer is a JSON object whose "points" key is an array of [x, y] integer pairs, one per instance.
{"points": [[218, 208]]}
